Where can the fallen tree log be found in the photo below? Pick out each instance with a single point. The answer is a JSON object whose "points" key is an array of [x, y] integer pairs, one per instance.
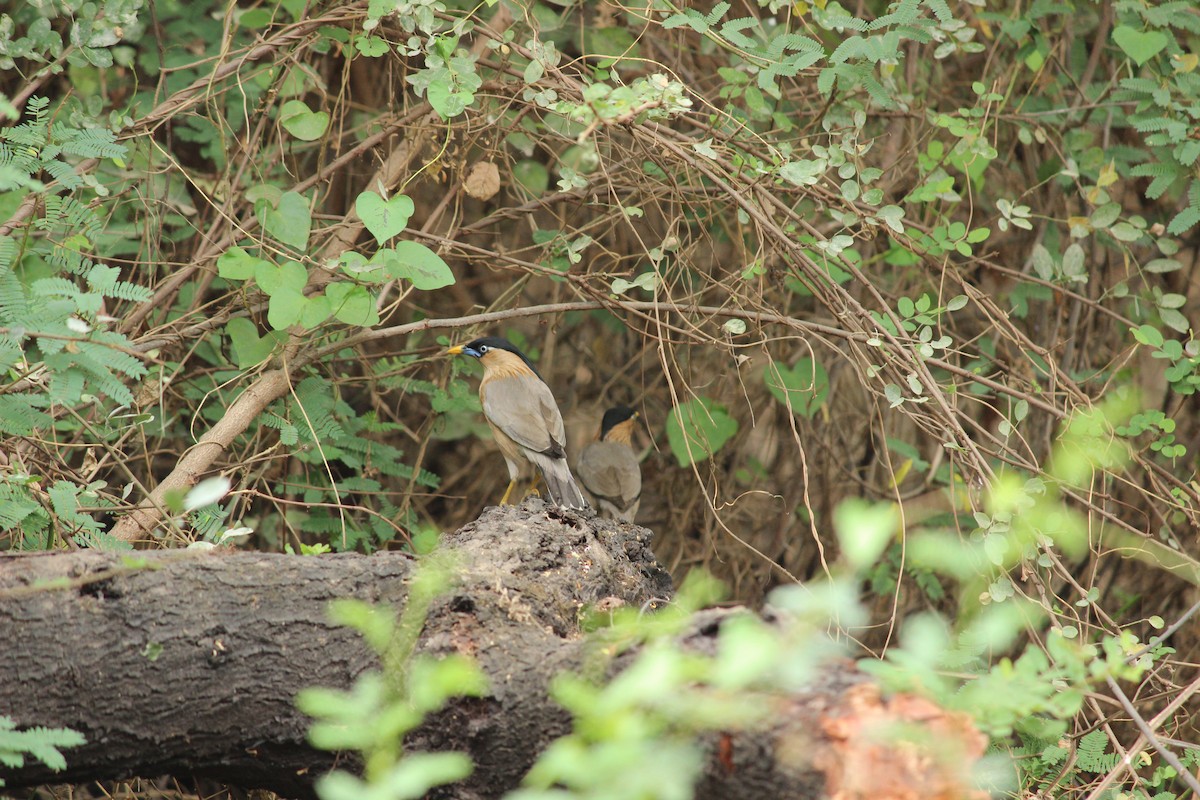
{"points": [[187, 663]]}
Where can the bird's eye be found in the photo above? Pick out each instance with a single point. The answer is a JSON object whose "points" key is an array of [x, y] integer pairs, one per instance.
{"points": [[483, 348]]}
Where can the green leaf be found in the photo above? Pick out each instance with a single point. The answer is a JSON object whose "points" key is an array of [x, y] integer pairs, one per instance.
{"points": [[1072, 263], [1172, 300], [615, 43], [235, 264], [316, 310], [584, 160], [40, 743], [295, 7], [534, 71], [371, 46], [979, 235], [446, 101], [352, 304], [892, 216], [289, 221], [248, 348], [433, 681], [1043, 262], [1105, 215], [864, 530], [698, 428], [408, 779], [894, 395], [531, 176], [1184, 221], [357, 266], [645, 281], [1161, 265], [1174, 320], [255, 19], [207, 492], [1148, 335], [285, 285], [805, 385], [384, 218], [302, 122], [749, 652], [803, 172], [1141, 46], [1125, 232], [735, 326], [417, 264], [287, 304], [272, 279]]}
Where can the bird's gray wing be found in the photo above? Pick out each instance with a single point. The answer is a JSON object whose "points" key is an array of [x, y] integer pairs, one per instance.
{"points": [[611, 471], [524, 409]]}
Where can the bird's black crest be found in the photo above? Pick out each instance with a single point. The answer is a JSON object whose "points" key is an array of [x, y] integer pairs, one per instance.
{"points": [[500, 343], [614, 417]]}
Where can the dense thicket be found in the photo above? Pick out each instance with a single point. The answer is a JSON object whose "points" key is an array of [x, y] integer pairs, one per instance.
{"points": [[931, 255]]}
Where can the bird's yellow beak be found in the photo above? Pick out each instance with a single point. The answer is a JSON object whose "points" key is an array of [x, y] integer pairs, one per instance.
{"points": [[455, 351]]}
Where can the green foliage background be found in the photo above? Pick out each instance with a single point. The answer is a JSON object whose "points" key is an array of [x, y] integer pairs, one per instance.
{"points": [[883, 251]]}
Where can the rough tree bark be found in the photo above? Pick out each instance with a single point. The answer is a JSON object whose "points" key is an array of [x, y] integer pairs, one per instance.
{"points": [[186, 664]]}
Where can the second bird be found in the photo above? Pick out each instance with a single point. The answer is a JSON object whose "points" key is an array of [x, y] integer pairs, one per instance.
{"points": [[524, 418], [609, 468]]}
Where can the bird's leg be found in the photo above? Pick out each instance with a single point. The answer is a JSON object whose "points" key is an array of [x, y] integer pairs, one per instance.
{"points": [[532, 491], [508, 491]]}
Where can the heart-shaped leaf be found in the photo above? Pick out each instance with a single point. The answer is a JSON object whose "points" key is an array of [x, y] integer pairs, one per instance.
{"points": [[287, 304], [447, 102], [285, 285], [357, 266], [1141, 46], [417, 264], [302, 122], [249, 349], [804, 386], [352, 304], [698, 428], [383, 218], [264, 191], [235, 264], [272, 279], [316, 310], [289, 221]]}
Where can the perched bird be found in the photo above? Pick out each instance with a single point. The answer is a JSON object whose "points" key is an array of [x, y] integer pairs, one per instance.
{"points": [[524, 418], [608, 467]]}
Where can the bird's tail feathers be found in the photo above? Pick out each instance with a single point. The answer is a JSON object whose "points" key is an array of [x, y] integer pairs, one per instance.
{"points": [[561, 485], [611, 510]]}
